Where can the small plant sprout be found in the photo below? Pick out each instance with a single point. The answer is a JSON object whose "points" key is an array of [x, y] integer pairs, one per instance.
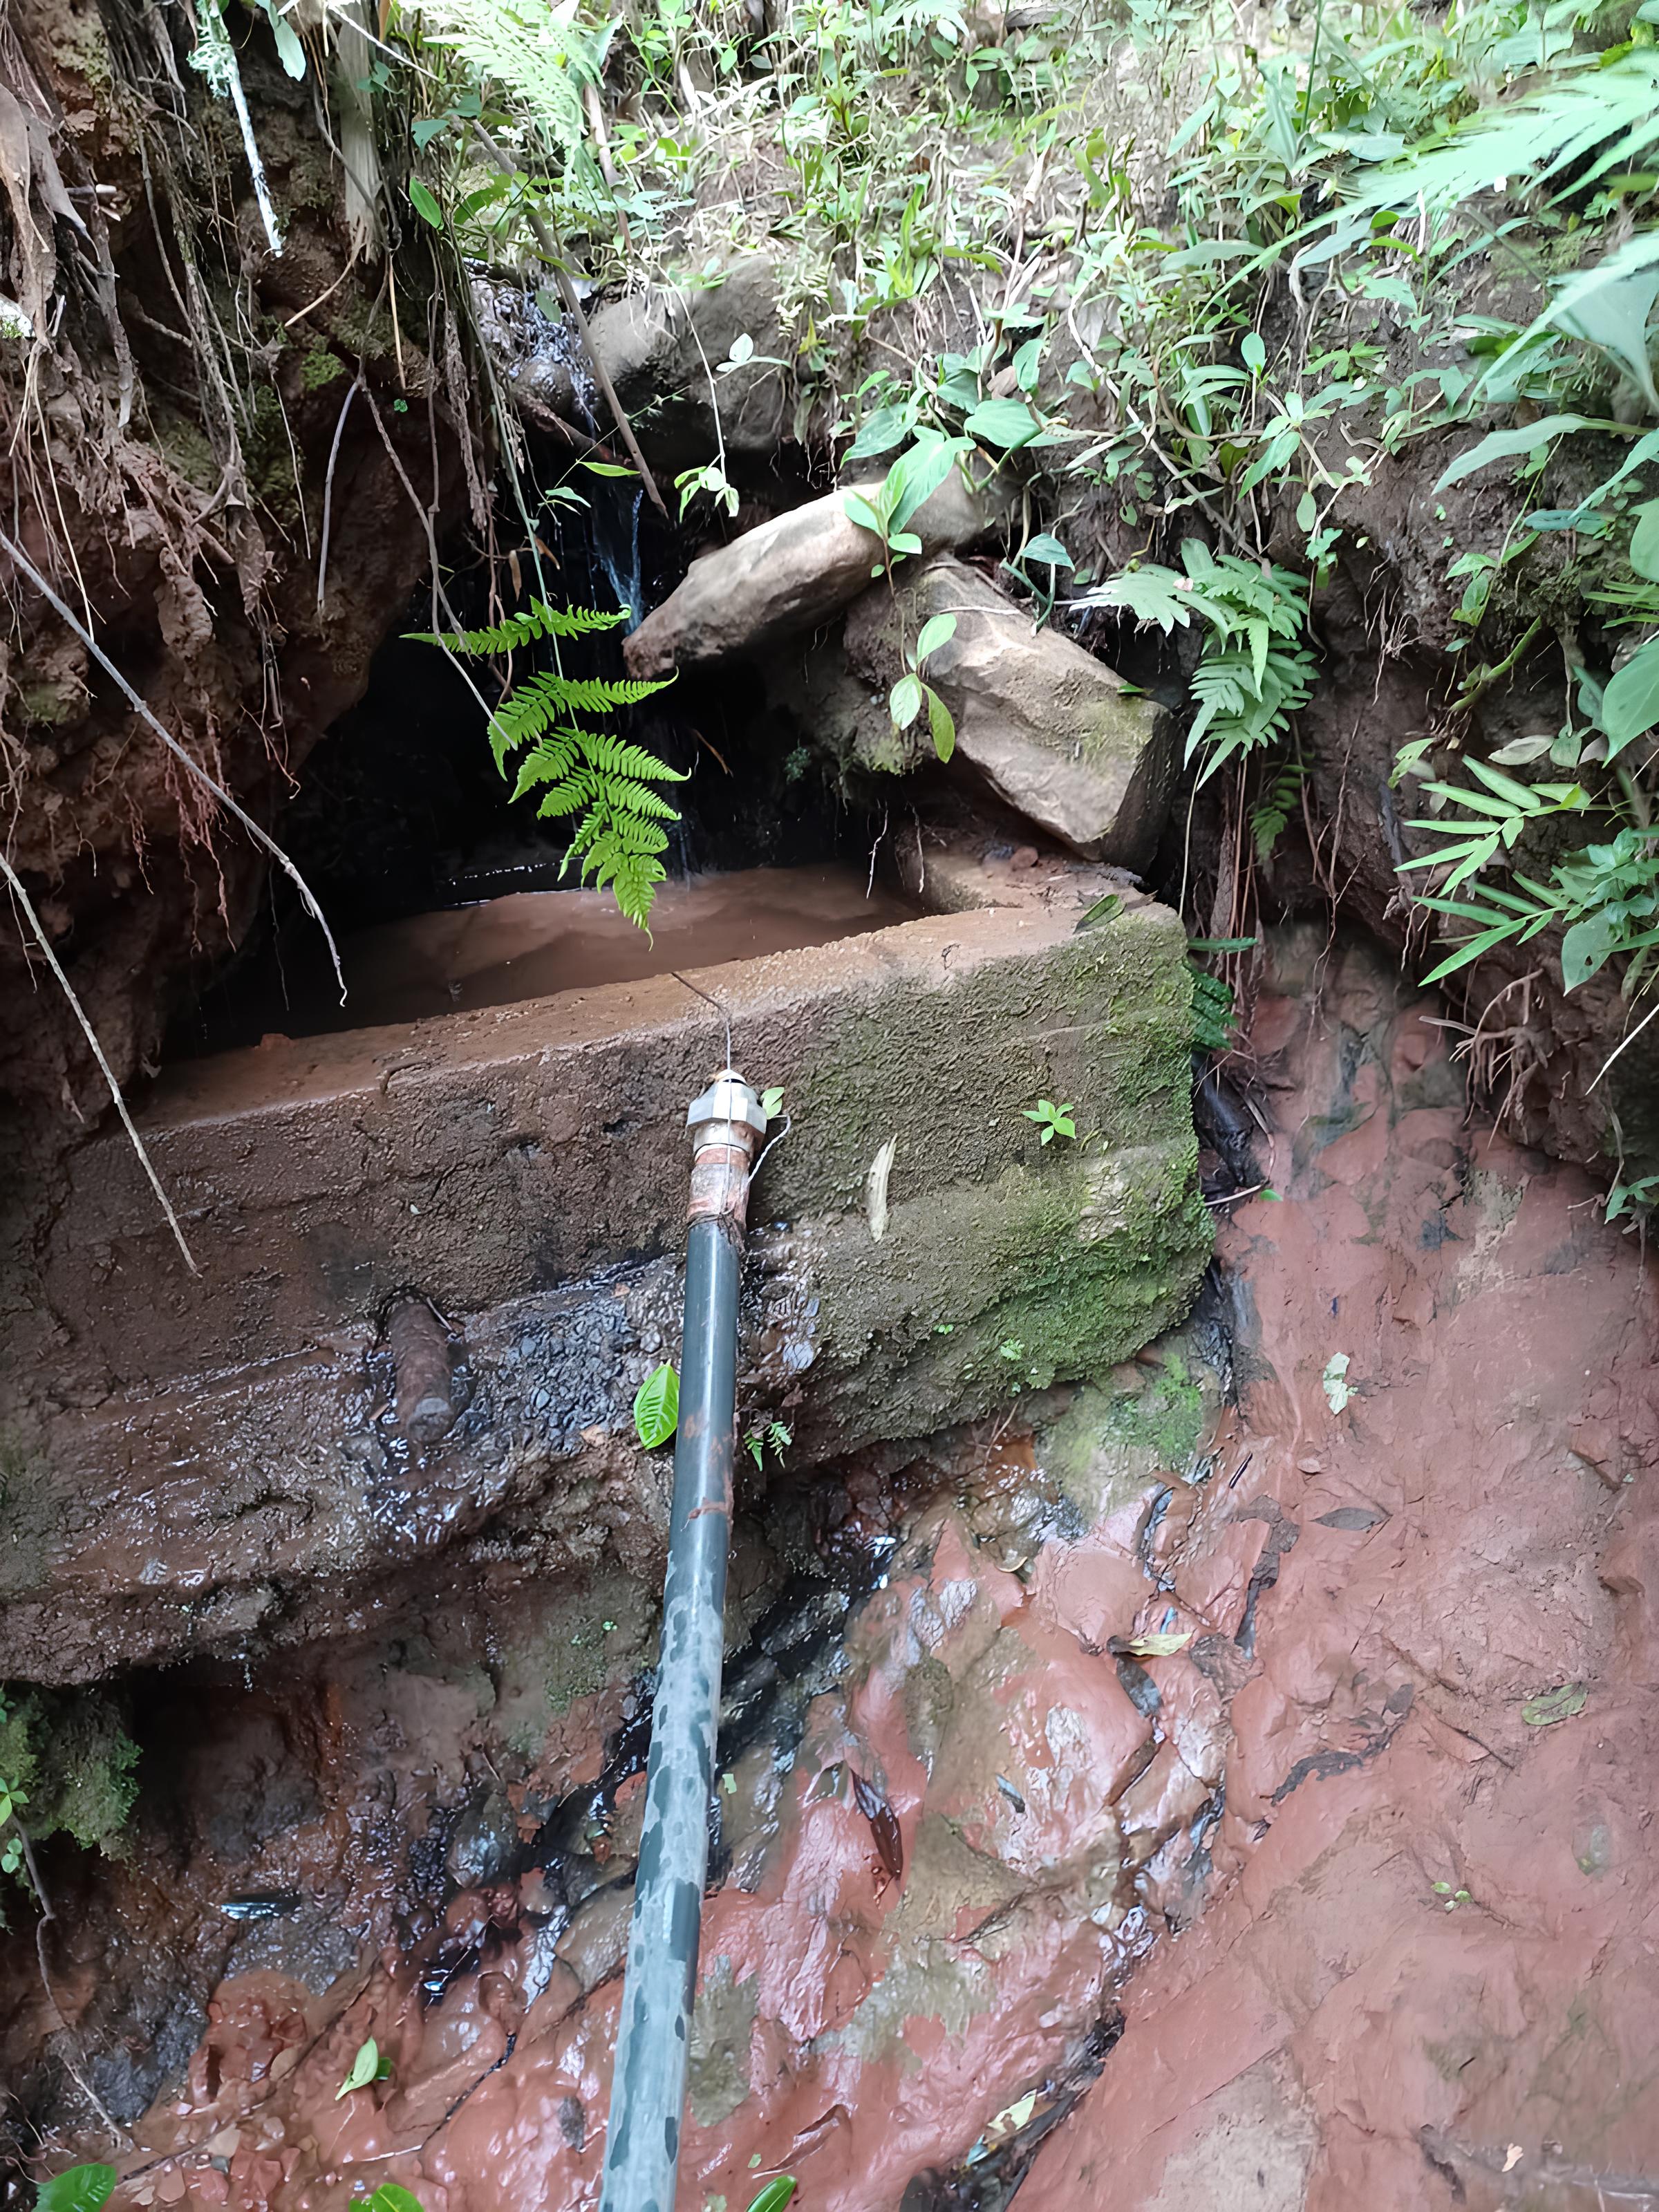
{"points": [[368, 2066], [1052, 1121], [911, 693], [657, 1406], [775, 1437], [1453, 1898]]}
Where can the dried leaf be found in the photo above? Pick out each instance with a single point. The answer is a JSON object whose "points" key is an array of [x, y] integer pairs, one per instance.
{"points": [[1158, 1644], [875, 1188]]}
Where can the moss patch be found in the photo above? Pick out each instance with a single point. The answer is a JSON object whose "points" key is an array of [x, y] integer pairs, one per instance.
{"points": [[68, 1751]]}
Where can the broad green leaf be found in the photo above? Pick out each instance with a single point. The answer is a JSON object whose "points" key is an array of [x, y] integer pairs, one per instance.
{"points": [[1644, 542], [940, 727], [1552, 1705], [883, 430], [657, 1406], [1307, 511], [1009, 424], [1630, 705], [775, 2195], [905, 703], [772, 1100], [389, 2198], [1504, 445], [1588, 946], [290, 51], [916, 476], [364, 2068], [859, 509], [77, 2189], [1046, 548], [1611, 306], [421, 199], [1253, 352], [937, 631]]}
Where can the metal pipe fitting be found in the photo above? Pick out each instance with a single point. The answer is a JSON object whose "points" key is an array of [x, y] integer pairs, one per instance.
{"points": [[423, 1361], [647, 2091]]}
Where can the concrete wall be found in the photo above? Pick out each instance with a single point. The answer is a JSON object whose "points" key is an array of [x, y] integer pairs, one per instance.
{"points": [[199, 1461]]}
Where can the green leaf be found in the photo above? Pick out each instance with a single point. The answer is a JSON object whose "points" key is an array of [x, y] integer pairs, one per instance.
{"points": [[421, 199], [657, 1407], [77, 2189], [606, 469], [1630, 705], [1552, 1705], [1644, 542], [1307, 511], [771, 1102], [364, 2068], [1504, 445], [937, 631], [941, 727], [290, 51], [389, 2198], [1253, 353], [775, 2195], [1046, 548], [858, 509], [915, 476], [1009, 424], [905, 702], [1589, 946], [883, 430]]}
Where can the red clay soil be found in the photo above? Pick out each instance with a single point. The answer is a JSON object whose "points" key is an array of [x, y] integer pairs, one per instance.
{"points": [[1431, 1977], [1410, 1965]]}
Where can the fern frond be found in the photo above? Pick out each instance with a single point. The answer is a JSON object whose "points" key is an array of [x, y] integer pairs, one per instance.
{"points": [[550, 761], [595, 695], [538, 620], [534, 51], [601, 782], [610, 755]]}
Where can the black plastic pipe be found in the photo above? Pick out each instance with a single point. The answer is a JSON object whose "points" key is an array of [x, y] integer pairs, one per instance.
{"points": [[647, 2091]]}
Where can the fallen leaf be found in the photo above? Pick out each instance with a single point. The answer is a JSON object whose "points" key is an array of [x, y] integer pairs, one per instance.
{"points": [[1158, 1644], [1337, 1393], [1551, 1705], [875, 1188], [1512, 2158], [1012, 2118]]}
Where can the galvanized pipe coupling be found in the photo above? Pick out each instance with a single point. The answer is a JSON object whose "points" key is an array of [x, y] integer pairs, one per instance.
{"points": [[725, 1124]]}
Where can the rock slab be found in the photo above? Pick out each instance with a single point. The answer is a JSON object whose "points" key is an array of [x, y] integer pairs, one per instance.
{"points": [[1053, 732], [787, 576]]}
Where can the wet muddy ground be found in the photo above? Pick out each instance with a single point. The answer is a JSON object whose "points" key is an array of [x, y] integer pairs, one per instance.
{"points": [[1225, 1786]]}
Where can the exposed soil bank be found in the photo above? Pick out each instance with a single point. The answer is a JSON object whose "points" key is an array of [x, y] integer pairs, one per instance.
{"points": [[969, 1828]]}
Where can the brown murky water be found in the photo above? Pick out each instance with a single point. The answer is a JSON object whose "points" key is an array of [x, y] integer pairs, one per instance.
{"points": [[532, 944]]}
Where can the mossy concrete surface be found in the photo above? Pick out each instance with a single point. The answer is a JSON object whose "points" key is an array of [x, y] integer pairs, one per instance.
{"points": [[224, 1457]]}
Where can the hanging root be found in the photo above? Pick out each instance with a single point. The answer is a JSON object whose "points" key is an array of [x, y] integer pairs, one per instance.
{"points": [[16, 553], [14, 884]]}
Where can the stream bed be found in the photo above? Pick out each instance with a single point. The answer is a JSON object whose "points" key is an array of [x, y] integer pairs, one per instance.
{"points": [[1223, 1785]]}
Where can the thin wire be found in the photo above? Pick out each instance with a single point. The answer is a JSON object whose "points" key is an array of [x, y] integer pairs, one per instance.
{"points": [[724, 1015]]}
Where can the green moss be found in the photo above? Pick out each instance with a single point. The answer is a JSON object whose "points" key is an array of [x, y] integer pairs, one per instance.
{"points": [[68, 1751], [319, 364], [1169, 1418]]}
